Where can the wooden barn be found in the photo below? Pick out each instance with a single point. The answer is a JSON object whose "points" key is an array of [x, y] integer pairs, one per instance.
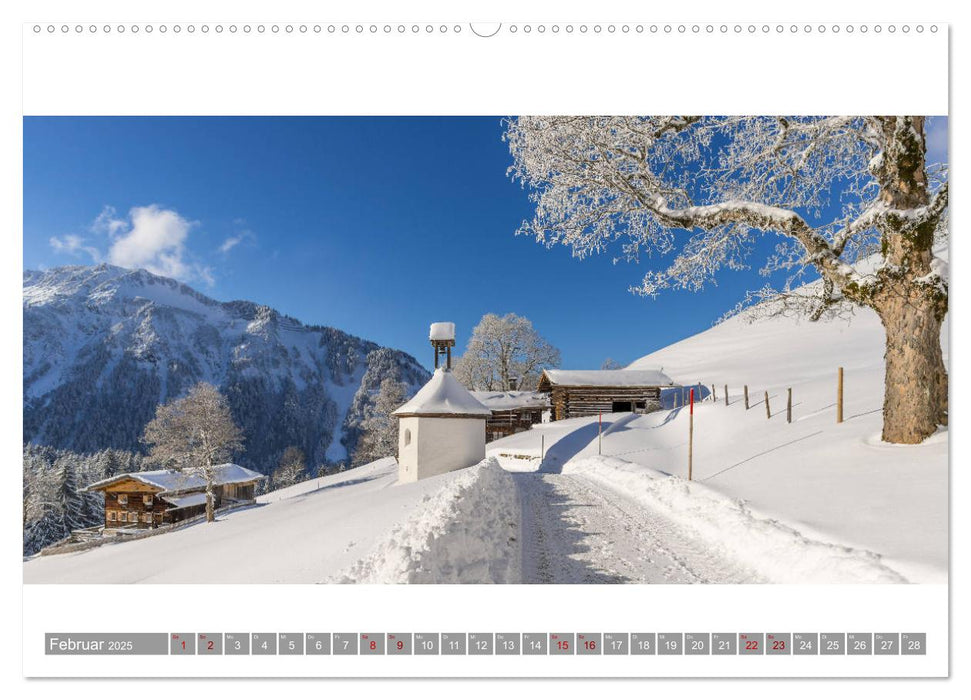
{"points": [[512, 411], [575, 393], [149, 499]]}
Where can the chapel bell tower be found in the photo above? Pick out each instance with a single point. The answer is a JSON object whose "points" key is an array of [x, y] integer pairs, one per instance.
{"points": [[442, 337]]}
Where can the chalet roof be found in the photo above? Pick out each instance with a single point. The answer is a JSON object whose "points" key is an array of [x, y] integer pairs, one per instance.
{"points": [[172, 481], [443, 395], [606, 377], [187, 501], [510, 400]]}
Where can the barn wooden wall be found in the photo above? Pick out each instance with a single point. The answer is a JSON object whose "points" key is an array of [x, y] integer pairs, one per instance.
{"points": [[504, 423], [135, 504], [577, 401]]}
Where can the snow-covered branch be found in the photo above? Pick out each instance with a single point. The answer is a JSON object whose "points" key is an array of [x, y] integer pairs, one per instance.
{"points": [[702, 188]]}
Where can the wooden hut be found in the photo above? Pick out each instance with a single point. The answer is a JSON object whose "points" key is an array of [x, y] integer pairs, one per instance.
{"points": [[575, 393], [512, 411], [149, 499]]}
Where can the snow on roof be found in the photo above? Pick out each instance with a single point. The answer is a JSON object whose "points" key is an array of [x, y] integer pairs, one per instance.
{"points": [[608, 377], [193, 499], [508, 400], [172, 481], [443, 395], [443, 330]]}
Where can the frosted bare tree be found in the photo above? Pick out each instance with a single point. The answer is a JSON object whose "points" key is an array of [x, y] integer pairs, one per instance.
{"points": [[292, 468], [380, 429], [505, 352], [700, 189], [195, 432]]}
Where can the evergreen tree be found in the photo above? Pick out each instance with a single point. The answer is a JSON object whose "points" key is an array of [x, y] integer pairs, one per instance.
{"points": [[54, 502], [70, 502]]}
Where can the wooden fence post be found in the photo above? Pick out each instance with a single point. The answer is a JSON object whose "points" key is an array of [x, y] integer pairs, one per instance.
{"points": [[600, 434], [768, 413], [789, 406], [746, 397], [726, 394], [714, 396], [839, 396], [691, 433], [542, 446]]}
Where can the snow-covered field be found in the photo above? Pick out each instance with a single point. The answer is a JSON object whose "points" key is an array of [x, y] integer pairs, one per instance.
{"points": [[808, 502], [785, 499], [303, 534], [357, 527]]}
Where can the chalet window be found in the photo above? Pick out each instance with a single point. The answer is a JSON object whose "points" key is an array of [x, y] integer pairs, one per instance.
{"points": [[112, 515], [146, 517], [123, 499], [407, 437], [147, 500], [123, 517]]}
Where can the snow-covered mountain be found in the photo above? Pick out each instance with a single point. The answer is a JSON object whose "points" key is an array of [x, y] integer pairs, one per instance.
{"points": [[606, 499], [104, 345]]}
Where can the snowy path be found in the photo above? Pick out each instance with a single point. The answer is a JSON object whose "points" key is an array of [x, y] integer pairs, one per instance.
{"points": [[575, 531]]}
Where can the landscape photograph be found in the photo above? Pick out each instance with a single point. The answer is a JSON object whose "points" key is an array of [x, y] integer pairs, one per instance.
{"points": [[498, 349]]}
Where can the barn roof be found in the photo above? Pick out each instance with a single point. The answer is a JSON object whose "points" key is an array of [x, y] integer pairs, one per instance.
{"points": [[605, 377], [187, 501], [443, 395], [510, 400], [172, 481]]}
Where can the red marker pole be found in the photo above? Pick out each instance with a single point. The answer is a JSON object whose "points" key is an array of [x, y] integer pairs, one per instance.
{"points": [[691, 430]]}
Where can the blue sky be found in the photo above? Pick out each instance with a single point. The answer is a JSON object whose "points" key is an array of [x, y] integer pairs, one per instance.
{"points": [[376, 226]]}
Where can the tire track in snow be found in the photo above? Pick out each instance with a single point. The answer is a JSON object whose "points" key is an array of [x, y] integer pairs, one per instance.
{"points": [[576, 532]]}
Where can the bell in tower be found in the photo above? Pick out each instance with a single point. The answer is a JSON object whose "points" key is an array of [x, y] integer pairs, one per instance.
{"points": [[442, 336]]}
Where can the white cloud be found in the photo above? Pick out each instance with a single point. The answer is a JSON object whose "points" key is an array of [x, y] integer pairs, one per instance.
{"points": [[204, 273], [230, 243], [151, 238], [108, 222], [72, 244], [154, 240], [237, 238]]}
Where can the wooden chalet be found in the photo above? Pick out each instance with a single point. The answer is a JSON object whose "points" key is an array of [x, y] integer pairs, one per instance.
{"points": [[575, 393], [149, 499], [512, 411]]}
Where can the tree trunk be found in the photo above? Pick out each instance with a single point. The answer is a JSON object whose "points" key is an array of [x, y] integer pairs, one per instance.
{"points": [[915, 399], [911, 305], [210, 497]]}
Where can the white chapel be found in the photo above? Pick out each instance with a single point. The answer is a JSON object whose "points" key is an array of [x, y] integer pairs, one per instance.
{"points": [[442, 428]]}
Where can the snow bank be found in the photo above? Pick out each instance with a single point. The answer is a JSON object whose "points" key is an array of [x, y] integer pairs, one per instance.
{"points": [[466, 532], [769, 547]]}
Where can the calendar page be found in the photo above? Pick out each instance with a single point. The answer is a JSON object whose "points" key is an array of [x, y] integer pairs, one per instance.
{"points": [[565, 345]]}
